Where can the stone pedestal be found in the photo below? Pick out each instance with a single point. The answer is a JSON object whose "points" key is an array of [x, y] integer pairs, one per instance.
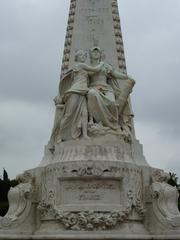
{"points": [[92, 190]]}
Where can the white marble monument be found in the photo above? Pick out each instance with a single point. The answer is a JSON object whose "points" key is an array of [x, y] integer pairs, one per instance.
{"points": [[93, 181]]}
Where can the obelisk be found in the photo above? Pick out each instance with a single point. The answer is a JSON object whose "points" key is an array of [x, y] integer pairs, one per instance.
{"points": [[95, 23], [93, 181]]}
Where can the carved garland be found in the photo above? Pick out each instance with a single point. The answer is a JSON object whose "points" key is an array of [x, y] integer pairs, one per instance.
{"points": [[92, 169], [118, 36], [87, 220], [95, 220], [68, 39]]}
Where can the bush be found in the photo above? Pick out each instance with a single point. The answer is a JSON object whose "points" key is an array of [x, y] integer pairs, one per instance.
{"points": [[3, 208], [5, 185], [173, 181]]}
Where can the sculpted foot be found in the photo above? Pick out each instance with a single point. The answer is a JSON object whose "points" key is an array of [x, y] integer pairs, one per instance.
{"points": [[59, 140], [86, 137]]}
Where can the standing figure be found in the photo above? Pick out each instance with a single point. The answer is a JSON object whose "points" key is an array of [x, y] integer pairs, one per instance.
{"points": [[73, 89]]}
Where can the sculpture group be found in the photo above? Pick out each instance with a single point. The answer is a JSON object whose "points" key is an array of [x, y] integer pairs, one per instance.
{"points": [[91, 97]]}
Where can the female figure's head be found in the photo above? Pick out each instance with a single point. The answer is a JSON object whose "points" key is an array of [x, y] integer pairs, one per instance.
{"points": [[95, 54], [80, 56]]}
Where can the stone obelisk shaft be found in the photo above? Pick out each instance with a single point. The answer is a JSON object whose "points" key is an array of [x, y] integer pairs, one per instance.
{"points": [[94, 23]]}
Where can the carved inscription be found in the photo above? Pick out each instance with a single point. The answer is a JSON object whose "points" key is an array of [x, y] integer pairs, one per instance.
{"points": [[94, 20], [93, 10], [90, 191]]}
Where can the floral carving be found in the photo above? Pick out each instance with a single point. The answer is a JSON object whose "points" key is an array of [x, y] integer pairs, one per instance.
{"points": [[160, 176], [46, 210], [89, 171], [140, 207], [87, 220]]}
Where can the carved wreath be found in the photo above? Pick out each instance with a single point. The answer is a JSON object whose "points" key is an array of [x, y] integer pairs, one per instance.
{"points": [[89, 221]]}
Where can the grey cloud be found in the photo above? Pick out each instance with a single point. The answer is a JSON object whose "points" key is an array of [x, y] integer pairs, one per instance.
{"points": [[31, 47], [25, 128], [172, 133], [152, 41], [31, 44]]}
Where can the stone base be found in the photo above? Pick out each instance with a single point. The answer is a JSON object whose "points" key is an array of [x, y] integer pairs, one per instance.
{"points": [[101, 189], [106, 148], [90, 236]]}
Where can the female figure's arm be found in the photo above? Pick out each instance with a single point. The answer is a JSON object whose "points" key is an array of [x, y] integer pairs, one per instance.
{"points": [[119, 75], [90, 68]]}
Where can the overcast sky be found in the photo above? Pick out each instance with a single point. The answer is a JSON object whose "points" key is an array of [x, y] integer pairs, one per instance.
{"points": [[31, 44]]}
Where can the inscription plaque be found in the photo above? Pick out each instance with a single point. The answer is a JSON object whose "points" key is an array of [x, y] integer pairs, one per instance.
{"points": [[96, 191]]}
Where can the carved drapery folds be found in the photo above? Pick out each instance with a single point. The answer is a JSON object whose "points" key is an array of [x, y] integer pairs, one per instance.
{"points": [[91, 100], [164, 203]]}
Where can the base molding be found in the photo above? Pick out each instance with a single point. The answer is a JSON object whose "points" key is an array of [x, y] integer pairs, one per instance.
{"points": [[89, 236]]}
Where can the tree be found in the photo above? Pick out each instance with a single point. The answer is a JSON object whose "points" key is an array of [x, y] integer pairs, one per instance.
{"points": [[173, 181], [5, 185], [5, 176]]}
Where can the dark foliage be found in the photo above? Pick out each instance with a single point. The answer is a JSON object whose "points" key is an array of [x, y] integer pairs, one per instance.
{"points": [[5, 175], [5, 185], [173, 181]]}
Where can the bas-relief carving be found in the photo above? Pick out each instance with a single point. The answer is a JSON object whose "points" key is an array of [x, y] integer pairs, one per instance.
{"points": [[88, 220], [94, 151], [91, 100], [20, 202], [113, 191], [93, 169], [165, 212]]}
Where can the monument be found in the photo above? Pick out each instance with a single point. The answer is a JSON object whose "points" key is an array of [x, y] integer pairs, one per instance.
{"points": [[93, 181]]}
